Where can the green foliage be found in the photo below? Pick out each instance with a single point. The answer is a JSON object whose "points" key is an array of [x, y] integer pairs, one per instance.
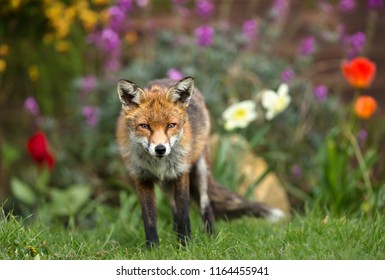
{"points": [[69, 201], [345, 183], [10, 154], [58, 202], [23, 192]]}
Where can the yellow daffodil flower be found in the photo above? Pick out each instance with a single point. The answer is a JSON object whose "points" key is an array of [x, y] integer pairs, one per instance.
{"points": [[239, 115], [275, 102]]}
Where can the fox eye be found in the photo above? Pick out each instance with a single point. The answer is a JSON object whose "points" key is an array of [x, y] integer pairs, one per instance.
{"points": [[171, 125], [144, 126]]}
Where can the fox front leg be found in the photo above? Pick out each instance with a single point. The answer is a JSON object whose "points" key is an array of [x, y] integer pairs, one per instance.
{"points": [[146, 196], [181, 191]]}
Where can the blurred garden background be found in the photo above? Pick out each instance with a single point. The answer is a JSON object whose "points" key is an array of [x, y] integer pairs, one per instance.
{"points": [[295, 90]]}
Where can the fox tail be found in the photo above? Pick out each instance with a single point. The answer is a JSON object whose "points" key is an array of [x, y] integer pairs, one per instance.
{"points": [[229, 205]]}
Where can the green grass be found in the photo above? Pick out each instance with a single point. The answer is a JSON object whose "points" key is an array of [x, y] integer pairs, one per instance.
{"points": [[303, 237]]}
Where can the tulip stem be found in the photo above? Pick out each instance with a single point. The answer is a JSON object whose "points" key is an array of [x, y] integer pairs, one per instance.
{"points": [[361, 162]]}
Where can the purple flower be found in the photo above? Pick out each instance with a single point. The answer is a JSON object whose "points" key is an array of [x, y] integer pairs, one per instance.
{"points": [[306, 46], [204, 35], [116, 17], [250, 29], [280, 9], [354, 44], [287, 75], [321, 93], [362, 136], [31, 106], [91, 115], [296, 171], [88, 83], [109, 40], [106, 40], [347, 5], [112, 64], [376, 4], [125, 5], [174, 74], [204, 8]]}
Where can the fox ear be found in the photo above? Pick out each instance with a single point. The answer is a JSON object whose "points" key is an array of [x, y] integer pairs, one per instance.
{"points": [[129, 94], [182, 91]]}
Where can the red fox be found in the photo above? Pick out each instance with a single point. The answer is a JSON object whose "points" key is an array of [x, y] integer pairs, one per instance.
{"points": [[163, 137]]}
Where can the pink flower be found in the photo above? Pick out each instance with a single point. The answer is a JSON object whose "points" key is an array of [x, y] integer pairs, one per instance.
{"points": [[204, 36], [109, 40], [125, 5], [204, 8], [321, 93], [88, 84], [354, 44], [287, 76], [307, 46], [280, 9], [91, 115], [174, 74], [116, 17], [376, 4], [250, 29], [31, 106], [347, 5]]}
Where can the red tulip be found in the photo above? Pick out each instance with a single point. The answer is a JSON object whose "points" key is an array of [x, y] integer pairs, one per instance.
{"points": [[359, 72], [38, 149]]}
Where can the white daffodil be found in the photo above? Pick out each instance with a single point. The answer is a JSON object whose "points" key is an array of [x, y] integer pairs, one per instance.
{"points": [[275, 102], [239, 115]]}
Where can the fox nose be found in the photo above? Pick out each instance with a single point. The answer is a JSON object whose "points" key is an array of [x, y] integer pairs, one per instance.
{"points": [[160, 149]]}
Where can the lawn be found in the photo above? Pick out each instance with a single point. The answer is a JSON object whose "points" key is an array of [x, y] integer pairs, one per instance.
{"points": [[310, 236]]}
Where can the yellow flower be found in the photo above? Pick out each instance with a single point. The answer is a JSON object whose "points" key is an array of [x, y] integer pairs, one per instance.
{"points": [[61, 18], [88, 18], [54, 10], [81, 6], [70, 12], [32, 251], [131, 37], [15, 4], [62, 46], [3, 65], [275, 102], [239, 115], [33, 73]]}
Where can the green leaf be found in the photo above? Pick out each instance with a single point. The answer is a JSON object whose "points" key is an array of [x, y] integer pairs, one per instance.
{"points": [[23, 192], [259, 136], [69, 201], [10, 154], [42, 180]]}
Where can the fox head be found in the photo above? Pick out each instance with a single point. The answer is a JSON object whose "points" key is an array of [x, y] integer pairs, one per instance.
{"points": [[155, 117]]}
